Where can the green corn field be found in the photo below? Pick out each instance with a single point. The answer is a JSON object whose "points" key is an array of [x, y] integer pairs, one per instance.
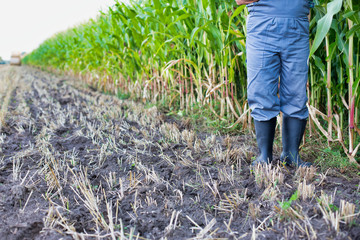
{"points": [[191, 54]]}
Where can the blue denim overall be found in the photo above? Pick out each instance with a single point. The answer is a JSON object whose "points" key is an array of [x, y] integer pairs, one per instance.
{"points": [[277, 45]]}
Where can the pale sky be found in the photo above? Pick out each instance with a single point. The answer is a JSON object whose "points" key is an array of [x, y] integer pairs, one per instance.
{"points": [[25, 24]]}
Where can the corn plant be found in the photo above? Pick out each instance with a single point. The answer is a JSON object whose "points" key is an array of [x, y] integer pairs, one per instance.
{"points": [[335, 23]]}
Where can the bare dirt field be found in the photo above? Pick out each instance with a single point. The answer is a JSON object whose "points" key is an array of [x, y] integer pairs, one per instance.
{"points": [[78, 164]]}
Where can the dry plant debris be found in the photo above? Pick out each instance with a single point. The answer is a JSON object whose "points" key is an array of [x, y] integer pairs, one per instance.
{"points": [[78, 164]]}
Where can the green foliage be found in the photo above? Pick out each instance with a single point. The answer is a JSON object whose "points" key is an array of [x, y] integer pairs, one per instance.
{"points": [[332, 158], [135, 40], [323, 25], [287, 204], [122, 95]]}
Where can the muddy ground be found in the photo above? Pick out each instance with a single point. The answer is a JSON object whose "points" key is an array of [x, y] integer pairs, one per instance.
{"points": [[77, 164]]}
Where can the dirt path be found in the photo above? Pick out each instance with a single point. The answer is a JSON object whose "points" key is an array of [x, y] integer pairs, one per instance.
{"points": [[76, 164]]}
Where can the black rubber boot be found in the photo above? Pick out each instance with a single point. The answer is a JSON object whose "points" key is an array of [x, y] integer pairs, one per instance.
{"points": [[265, 131], [292, 133]]}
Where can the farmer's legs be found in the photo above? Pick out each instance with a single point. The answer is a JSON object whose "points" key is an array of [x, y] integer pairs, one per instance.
{"points": [[263, 68], [278, 46], [293, 80], [278, 38]]}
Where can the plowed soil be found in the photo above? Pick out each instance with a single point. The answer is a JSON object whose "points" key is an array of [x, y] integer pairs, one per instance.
{"points": [[78, 164]]}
